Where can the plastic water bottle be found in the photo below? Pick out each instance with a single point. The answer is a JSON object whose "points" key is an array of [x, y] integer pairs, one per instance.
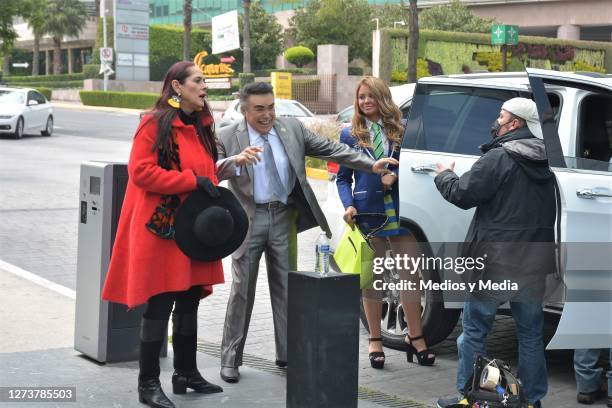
{"points": [[322, 255]]}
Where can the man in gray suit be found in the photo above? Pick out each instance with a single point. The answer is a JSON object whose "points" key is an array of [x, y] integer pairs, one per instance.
{"points": [[263, 158]]}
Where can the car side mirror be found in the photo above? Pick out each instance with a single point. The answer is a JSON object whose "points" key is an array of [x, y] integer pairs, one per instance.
{"points": [[32, 103]]}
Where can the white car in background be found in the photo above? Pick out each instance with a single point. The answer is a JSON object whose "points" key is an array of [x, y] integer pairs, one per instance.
{"points": [[450, 116], [287, 108], [24, 111]]}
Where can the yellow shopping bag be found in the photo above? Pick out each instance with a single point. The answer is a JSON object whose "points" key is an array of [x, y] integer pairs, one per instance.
{"points": [[355, 255]]}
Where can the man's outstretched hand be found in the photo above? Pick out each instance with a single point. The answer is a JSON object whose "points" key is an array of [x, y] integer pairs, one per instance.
{"points": [[380, 166], [441, 167]]}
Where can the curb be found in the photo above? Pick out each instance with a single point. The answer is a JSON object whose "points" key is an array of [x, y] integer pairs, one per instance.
{"points": [[76, 106], [318, 174]]}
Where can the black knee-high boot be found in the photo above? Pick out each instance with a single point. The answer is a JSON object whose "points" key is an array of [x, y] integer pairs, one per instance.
{"points": [[186, 374], [152, 334]]}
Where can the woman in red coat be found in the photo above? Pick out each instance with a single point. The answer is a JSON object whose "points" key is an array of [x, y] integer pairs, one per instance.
{"points": [[173, 153]]}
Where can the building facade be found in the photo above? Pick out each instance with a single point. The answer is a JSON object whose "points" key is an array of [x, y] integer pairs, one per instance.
{"points": [[568, 19]]}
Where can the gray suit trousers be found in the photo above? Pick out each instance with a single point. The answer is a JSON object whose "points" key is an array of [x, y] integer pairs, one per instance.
{"points": [[269, 234]]}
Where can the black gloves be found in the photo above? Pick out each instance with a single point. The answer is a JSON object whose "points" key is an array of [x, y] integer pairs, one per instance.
{"points": [[205, 185]]}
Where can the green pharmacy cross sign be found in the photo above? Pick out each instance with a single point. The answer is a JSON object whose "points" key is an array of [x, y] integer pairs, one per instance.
{"points": [[504, 35]]}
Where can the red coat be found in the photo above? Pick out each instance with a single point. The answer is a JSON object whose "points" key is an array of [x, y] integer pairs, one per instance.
{"points": [[142, 264]]}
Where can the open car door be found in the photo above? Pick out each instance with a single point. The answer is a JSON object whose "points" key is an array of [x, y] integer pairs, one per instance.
{"points": [[584, 179]]}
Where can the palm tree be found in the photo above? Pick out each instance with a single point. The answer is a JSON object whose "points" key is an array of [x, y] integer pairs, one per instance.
{"points": [[187, 9], [64, 18], [246, 36], [35, 14], [413, 42], [10, 9]]}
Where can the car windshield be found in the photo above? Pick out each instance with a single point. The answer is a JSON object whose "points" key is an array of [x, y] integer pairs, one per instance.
{"points": [[284, 108], [11, 97], [346, 115]]}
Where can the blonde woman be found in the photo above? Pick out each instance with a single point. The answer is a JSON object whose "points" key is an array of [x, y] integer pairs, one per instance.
{"points": [[376, 129]]}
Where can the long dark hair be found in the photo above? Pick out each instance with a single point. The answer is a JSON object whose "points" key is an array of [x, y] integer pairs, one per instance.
{"points": [[165, 114]]}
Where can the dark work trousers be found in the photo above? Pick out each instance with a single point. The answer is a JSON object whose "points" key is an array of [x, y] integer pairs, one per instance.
{"points": [[154, 329]]}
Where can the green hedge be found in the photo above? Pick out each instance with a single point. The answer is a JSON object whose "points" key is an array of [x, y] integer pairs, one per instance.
{"points": [[246, 78], [299, 55], [44, 78], [302, 71], [221, 92], [166, 48], [134, 100], [52, 84], [91, 71], [221, 97], [45, 91], [452, 50]]}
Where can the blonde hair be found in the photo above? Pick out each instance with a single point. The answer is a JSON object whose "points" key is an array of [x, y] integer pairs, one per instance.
{"points": [[388, 110]]}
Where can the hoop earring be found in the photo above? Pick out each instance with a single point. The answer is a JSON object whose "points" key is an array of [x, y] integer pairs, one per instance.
{"points": [[175, 101]]}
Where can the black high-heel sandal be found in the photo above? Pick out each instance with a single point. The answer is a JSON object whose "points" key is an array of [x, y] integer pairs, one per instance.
{"points": [[424, 357], [375, 356]]}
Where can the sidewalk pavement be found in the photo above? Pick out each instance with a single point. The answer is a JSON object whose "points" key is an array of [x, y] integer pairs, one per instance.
{"points": [[81, 107], [36, 350]]}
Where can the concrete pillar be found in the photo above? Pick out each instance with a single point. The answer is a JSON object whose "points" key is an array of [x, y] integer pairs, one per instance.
{"points": [[376, 53], [332, 59], [70, 60], [568, 32], [47, 63]]}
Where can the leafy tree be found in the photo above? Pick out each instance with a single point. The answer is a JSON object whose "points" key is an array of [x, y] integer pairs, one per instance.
{"points": [[299, 55], [266, 37], [388, 14], [64, 18], [344, 22], [454, 17], [10, 9], [35, 14]]}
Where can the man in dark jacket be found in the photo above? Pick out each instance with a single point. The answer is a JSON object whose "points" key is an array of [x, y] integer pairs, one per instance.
{"points": [[512, 188]]}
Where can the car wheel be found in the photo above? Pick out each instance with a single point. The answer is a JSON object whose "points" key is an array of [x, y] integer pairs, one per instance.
{"points": [[19, 128], [48, 128], [438, 322]]}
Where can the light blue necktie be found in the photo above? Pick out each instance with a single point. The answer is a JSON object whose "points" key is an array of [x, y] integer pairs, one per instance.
{"points": [[271, 171]]}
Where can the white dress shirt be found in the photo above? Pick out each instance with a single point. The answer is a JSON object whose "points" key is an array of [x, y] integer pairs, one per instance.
{"points": [[261, 185]]}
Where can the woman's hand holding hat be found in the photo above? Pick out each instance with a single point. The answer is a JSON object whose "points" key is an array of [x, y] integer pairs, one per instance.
{"points": [[207, 186]]}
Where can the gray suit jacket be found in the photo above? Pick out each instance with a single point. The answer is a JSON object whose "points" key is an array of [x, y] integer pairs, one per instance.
{"points": [[299, 142]]}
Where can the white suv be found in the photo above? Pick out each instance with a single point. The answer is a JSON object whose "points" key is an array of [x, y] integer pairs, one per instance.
{"points": [[449, 118]]}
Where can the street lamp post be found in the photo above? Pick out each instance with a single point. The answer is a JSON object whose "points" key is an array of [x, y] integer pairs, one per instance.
{"points": [[103, 11], [377, 22]]}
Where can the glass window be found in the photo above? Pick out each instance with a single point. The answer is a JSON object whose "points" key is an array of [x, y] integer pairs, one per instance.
{"points": [[453, 119], [11, 97], [290, 109], [38, 97], [593, 134], [31, 96]]}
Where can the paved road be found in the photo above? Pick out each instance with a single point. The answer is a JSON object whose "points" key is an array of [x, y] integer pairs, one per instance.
{"points": [[39, 179]]}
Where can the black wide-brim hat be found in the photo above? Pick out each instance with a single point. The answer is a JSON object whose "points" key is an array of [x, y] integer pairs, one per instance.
{"points": [[209, 229]]}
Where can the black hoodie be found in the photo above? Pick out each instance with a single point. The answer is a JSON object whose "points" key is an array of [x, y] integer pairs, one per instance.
{"points": [[512, 188]]}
